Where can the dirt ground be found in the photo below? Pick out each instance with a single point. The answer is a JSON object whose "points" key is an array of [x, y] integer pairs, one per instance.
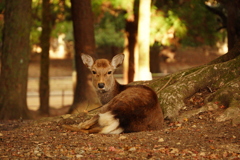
{"points": [[199, 137]]}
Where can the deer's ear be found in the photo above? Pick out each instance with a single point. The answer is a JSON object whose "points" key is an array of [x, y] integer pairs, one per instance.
{"points": [[117, 60], [87, 60]]}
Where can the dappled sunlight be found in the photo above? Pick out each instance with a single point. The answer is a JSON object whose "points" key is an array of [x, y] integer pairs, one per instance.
{"points": [[143, 74], [167, 28], [36, 49], [222, 47], [57, 50]]}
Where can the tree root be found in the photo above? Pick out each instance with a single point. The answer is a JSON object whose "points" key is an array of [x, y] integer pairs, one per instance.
{"points": [[223, 77], [188, 114], [228, 98], [73, 128], [232, 112]]}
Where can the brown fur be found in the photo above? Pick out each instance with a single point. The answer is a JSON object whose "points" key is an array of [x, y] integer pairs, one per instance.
{"points": [[103, 63], [125, 108], [137, 109]]}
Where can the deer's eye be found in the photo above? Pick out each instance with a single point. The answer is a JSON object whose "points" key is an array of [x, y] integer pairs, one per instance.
{"points": [[110, 72], [93, 72]]}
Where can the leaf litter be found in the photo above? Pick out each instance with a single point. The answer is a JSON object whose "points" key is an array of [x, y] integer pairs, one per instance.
{"points": [[198, 137]]}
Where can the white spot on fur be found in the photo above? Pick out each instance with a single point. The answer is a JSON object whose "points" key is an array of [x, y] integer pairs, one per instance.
{"points": [[117, 131], [109, 123]]}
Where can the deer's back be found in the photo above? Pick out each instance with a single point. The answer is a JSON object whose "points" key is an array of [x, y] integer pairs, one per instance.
{"points": [[137, 109]]}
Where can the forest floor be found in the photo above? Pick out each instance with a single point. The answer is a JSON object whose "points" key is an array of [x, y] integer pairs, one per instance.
{"points": [[199, 137]]}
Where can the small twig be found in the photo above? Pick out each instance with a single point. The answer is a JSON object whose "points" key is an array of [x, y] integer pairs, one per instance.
{"points": [[94, 109], [91, 109], [210, 89], [165, 84]]}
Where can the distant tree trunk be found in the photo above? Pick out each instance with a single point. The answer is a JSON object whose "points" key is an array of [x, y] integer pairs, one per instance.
{"points": [[232, 21], [131, 29], [45, 45], [232, 24], [143, 68], [15, 59], [131, 41], [84, 43]]}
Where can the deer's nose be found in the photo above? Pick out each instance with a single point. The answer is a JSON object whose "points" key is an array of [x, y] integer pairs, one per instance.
{"points": [[101, 85]]}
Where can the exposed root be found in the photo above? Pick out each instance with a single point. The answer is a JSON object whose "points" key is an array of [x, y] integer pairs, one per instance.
{"points": [[227, 98], [232, 112], [74, 128], [184, 84], [187, 114]]}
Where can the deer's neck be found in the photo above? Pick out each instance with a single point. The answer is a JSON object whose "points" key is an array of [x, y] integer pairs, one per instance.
{"points": [[105, 97]]}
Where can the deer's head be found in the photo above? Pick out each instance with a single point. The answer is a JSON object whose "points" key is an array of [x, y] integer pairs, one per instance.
{"points": [[102, 71]]}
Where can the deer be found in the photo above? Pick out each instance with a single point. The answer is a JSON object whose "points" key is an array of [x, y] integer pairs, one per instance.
{"points": [[125, 108]]}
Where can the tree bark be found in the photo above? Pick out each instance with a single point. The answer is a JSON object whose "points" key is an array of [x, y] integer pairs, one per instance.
{"points": [[131, 32], [15, 59], [131, 40], [131, 47], [84, 43], [232, 20], [44, 70]]}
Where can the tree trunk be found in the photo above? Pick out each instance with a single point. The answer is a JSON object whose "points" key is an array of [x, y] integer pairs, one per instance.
{"points": [[232, 21], [143, 67], [15, 59], [131, 32], [45, 45], [84, 43], [233, 33], [131, 41]]}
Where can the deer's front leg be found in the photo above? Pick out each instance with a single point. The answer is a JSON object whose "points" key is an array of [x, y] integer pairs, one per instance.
{"points": [[89, 123]]}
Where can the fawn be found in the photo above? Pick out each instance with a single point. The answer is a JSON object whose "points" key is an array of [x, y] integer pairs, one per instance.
{"points": [[126, 108]]}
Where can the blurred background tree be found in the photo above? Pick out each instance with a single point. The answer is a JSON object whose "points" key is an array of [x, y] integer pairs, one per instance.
{"points": [[50, 20], [189, 23], [44, 87], [15, 60], [228, 13], [83, 28]]}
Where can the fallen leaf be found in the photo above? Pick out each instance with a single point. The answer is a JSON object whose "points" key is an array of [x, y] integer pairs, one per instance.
{"points": [[222, 107], [112, 148]]}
